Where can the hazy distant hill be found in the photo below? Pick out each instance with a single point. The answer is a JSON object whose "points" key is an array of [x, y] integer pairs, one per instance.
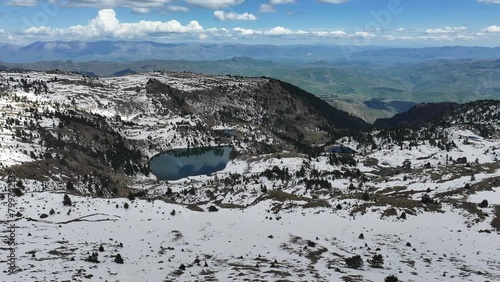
{"points": [[144, 50], [395, 55], [8, 52]]}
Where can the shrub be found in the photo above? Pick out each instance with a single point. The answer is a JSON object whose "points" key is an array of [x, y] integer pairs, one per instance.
{"points": [[391, 278], [484, 204], [119, 259], [125, 205], [354, 262], [366, 196], [377, 261], [66, 200], [52, 211], [93, 258], [101, 248]]}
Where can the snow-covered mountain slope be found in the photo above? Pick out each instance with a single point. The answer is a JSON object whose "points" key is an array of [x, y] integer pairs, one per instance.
{"points": [[283, 209]]}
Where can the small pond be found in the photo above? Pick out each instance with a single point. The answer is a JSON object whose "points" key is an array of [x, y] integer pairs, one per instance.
{"points": [[340, 150], [181, 163]]}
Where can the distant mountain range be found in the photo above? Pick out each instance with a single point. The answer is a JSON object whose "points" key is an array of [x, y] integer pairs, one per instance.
{"points": [[430, 53], [144, 50]]}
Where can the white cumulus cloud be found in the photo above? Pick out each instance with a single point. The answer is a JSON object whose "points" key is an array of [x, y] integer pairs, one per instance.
{"points": [[106, 25], [492, 29], [224, 16], [246, 32], [279, 31]]}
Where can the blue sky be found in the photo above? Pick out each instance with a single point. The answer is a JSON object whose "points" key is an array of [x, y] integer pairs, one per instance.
{"points": [[361, 22]]}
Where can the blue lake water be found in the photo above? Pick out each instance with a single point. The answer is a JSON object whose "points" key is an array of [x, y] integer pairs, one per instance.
{"points": [[181, 163], [341, 150]]}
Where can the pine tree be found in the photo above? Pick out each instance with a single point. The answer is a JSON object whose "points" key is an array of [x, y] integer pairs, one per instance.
{"points": [[377, 261], [484, 204], [70, 186], [131, 196], [66, 200]]}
